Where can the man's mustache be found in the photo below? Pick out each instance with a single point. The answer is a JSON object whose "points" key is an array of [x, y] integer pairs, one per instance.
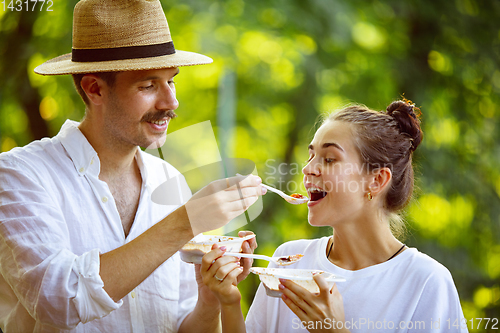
{"points": [[149, 117]]}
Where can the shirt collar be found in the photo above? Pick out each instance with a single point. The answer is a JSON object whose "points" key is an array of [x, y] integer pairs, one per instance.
{"points": [[80, 151], [143, 167], [83, 155]]}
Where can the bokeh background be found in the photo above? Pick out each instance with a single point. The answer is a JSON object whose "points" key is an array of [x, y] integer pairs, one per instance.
{"points": [[280, 64]]}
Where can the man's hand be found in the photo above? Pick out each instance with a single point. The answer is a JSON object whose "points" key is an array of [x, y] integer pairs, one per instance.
{"points": [[221, 201]]}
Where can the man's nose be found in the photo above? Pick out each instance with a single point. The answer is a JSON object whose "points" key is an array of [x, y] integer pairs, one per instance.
{"points": [[167, 99]]}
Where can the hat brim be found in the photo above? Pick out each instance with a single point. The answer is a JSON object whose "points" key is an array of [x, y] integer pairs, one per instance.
{"points": [[64, 65]]}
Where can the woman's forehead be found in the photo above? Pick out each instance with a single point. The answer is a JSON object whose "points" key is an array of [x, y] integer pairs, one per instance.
{"points": [[334, 132]]}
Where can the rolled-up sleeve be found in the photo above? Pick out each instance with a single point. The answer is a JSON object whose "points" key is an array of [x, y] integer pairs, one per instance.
{"points": [[188, 292], [91, 300], [56, 286]]}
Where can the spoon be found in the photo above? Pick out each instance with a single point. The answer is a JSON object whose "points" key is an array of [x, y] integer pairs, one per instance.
{"points": [[282, 261], [290, 199]]}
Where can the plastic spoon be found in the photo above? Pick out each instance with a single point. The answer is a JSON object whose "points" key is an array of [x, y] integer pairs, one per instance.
{"points": [[288, 198], [282, 261]]}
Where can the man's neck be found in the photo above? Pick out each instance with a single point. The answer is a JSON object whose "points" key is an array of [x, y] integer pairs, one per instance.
{"points": [[115, 159], [115, 165]]}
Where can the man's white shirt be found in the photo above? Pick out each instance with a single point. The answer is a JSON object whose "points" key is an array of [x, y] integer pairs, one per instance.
{"points": [[56, 217]]}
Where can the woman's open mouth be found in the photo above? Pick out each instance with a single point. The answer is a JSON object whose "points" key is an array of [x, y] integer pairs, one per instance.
{"points": [[316, 193]]}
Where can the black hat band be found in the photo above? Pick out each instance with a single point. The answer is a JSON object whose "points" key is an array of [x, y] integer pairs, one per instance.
{"points": [[122, 53]]}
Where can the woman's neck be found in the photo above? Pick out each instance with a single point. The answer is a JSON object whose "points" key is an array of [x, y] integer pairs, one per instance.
{"points": [[361, 245]]}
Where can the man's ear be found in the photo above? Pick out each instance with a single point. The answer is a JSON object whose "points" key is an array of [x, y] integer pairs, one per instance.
{"points": [[380, 179], [93, 87]]}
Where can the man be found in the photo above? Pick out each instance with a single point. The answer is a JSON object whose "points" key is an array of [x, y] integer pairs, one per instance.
{"points": [[82, 246]]}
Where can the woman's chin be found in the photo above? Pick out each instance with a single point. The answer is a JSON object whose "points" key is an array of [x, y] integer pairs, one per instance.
{"points": [[316, 222]]}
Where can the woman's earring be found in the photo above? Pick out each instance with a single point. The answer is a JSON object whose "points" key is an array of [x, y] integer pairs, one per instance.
{"points": [[370, 197]]}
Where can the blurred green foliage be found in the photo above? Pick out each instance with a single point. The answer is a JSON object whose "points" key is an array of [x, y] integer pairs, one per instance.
{"points": [[296, 59]]}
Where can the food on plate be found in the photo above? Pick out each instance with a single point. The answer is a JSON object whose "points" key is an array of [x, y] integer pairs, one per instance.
{"points": [[303, 277], [195, 249]]}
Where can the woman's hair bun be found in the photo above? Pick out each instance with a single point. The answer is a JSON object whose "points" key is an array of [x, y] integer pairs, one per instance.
{"points": [[404, 113]]}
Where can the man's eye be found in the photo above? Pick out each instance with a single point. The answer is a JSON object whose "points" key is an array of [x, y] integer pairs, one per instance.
{"points": [[147, 87], [171, 82]]}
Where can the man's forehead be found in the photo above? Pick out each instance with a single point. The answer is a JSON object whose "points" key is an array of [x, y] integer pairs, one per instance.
{"points": [[149, 74]]}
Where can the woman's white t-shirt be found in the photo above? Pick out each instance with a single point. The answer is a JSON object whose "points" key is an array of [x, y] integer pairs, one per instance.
{"points": [[409, 293]]}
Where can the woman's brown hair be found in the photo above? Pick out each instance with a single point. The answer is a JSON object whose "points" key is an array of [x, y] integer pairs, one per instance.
{"points": [[387, 139]]}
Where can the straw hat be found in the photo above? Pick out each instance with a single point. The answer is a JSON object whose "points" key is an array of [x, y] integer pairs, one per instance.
{"points": [[120, 35]]}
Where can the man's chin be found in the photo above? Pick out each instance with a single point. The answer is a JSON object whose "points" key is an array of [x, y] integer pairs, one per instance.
{"points": [[158, 142]]}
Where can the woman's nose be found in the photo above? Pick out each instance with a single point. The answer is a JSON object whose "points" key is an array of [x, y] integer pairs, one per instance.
{"points": [[312, 168]]}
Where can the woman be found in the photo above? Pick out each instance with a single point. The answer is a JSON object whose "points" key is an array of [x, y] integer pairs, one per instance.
{"points": [[359, 176]]}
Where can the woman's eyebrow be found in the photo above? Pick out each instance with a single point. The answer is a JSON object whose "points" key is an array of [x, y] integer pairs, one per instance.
{"points": [[328, 144], [333, 144]]}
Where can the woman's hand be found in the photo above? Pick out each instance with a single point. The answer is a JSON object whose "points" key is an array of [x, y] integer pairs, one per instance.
{"points": [[319, 313], [220, 274], [249, 247]]}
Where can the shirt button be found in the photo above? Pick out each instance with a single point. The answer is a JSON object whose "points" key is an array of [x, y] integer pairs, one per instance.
{"points": [[82, 169], [132, 294], [104, 199]]}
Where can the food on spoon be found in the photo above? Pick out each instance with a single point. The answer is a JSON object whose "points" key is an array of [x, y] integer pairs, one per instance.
{"points": [[289, 259], [297, 196]]}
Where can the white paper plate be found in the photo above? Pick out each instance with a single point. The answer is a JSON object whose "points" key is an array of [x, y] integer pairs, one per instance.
{"points": [[303, 277], [196, 248]]}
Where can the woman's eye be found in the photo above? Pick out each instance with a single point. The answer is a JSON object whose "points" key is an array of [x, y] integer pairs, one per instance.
{"points": [[329, 160], [147, 87]]}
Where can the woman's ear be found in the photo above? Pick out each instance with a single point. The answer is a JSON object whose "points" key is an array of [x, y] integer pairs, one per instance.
{"points": [[93, 86], [380, 179]]}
